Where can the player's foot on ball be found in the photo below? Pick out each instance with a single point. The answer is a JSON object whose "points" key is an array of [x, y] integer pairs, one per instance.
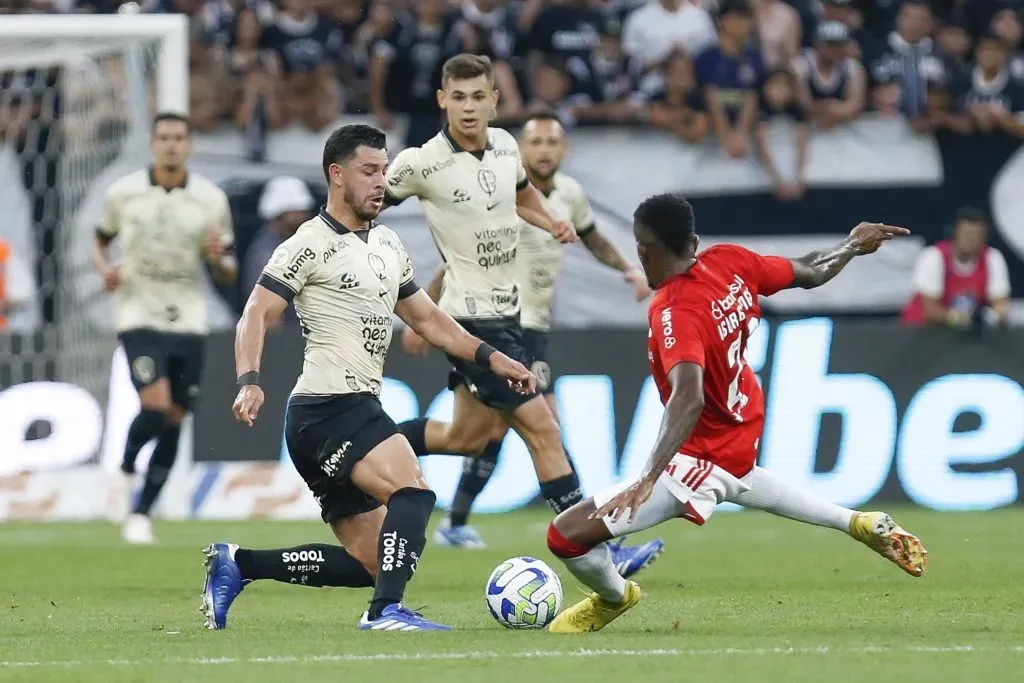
{"points": [[398, 617], [628, 560], [881, 533], [137, 530], [593, 613], [223, 584], [463, 536]]}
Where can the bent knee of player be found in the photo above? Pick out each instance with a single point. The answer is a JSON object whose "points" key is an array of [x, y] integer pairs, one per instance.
{"points": [[499, 430], [157, 396], [389, 467], [467, 441], [176, 414], [572, 533]]}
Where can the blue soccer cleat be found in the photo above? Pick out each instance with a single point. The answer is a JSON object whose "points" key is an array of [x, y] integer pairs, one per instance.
{"points": [[629, 560], [463, 536], [398, 617], [223, 584]]}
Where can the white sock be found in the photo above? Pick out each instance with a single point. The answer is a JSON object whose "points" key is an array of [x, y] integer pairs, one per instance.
{"points": [[779, 497], [595, 569]]}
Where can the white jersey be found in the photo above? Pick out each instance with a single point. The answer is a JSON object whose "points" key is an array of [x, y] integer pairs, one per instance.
{"points": [[539, 258], [162, 233], [470, 203], [345, 285]]}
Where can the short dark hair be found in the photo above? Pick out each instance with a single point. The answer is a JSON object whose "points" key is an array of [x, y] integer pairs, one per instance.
{"points": [[541, 116], [970, 214], [669, 217], [990, 38], [344, 141], [171, 116], [465, 66]]}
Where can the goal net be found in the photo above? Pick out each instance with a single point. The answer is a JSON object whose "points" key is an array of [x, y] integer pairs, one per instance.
{"points": [[77, 94]]}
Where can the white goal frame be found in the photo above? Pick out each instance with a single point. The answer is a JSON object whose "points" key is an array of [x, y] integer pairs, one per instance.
{"points": [[170, 31]]}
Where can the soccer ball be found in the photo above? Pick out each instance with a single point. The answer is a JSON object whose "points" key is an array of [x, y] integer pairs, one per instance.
{"points": [[524, 592]]}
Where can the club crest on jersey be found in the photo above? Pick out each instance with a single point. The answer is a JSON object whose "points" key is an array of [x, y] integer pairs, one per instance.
{"points": [[378, 267], [488, 181]]}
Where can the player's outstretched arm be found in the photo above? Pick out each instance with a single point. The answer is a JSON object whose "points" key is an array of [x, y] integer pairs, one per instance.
{"points": [[818, 267], [682, 410], [608, 254], [262, 310], [531, 209], [441, 330]]}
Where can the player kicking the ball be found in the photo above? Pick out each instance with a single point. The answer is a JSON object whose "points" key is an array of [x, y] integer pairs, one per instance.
{"points": [[346, 275], [704, 310]]}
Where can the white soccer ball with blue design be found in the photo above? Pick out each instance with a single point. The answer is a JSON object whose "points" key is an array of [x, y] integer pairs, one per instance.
{"points": [[524, 592]]}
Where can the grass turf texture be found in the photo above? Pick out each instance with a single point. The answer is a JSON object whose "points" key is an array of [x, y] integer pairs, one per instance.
{"points": [[747, 598]]}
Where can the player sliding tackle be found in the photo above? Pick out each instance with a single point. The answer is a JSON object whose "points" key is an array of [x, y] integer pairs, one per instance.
{"points": [[346, 275], [704, 310]]}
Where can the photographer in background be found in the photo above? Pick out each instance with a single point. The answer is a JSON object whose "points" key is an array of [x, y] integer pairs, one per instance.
{"points": [[961, 282]]}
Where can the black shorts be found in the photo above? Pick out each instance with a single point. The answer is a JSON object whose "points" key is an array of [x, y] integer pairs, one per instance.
{"points": [[154, 355], [536, 344], [326, 436], [505, 335]]}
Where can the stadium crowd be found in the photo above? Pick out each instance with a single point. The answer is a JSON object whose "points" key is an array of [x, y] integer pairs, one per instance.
{"points": [[697, 68]]}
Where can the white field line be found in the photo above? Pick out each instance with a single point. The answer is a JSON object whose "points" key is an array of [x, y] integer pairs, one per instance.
{"points": [[536, 654]]}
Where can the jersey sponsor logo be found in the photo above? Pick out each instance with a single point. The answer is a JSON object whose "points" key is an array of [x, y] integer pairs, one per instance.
{"points": [[437, 167], [330, 252], [351, 381], [471, 305], [303, 556], [376, 334], [394, 551], [668, 338], [348, 281], [460, 196], [279, 257], [491, 250], [332, 463], [504, 152], [505, 301], [492, 206], [300, 259], [400, 175], [731, 310]]}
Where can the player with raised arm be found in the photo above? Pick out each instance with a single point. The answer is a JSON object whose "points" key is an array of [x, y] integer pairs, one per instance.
{"points": [[347, 275], [169, 221], [473, 188], [539, 256], [704, 309]]}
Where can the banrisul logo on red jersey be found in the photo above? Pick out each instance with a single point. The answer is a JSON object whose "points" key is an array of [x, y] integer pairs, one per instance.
{"points": [[855, 411]]}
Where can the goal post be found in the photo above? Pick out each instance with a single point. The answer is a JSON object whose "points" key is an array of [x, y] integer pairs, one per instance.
{"points": [[168, 31]]}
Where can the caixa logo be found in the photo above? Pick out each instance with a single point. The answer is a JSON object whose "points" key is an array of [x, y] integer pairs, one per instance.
{"points": [[935, 465]]}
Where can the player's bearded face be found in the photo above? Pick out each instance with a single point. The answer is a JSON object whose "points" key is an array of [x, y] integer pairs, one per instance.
{"points": [[170, 144], [543, 148], [363, 181]]}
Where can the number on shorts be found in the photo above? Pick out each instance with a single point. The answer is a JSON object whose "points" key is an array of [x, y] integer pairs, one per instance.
{"points": [[737, 359]]}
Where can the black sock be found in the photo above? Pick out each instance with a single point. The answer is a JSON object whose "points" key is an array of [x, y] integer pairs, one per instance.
{"points": [[402, 538], [415, 432], [562, 493], [159, 467], [146, 425], [475, 475], [315, 564]]}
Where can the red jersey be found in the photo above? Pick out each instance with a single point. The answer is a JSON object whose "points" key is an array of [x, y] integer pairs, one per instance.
{"points": [[705, 316]]}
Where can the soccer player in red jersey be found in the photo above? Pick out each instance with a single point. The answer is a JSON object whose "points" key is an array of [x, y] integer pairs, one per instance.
{"points": [[704, 310]]}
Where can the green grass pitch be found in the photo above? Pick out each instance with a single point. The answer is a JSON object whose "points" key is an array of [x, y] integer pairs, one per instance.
{"points": [[746, 598]]}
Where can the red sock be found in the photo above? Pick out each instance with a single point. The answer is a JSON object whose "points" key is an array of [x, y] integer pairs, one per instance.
{"points": [[562, 547]]}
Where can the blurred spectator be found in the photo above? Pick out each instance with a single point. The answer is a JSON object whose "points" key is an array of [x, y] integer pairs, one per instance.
{"points": [[220, 17], [570, 31], [862, 41], [488, 27], [16, 290], [955, 48], [832, 85], [994, 101], [730, 75], [778, 30], [255, 75], [189, 7], [1007, 25], [405, 71], [678, 106], [652, 33], [308, 47], [907, 65], [285, 204], [209, 84], [779, 99], [960, 281]]}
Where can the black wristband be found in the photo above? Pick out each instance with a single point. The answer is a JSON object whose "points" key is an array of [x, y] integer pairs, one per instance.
{"points": [[483, 354], [252, 377]]}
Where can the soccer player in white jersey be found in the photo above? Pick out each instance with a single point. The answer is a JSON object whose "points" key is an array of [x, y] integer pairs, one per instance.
{"points": [[474, 190], [347, 275], [169, 222], [542, 145]]}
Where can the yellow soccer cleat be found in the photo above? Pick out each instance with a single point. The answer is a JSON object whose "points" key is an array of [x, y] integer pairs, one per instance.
{"points": [[881, 533], [593, 614]]}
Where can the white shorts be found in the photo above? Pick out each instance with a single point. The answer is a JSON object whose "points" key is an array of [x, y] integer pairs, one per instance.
{"points": [[688, 488]]}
